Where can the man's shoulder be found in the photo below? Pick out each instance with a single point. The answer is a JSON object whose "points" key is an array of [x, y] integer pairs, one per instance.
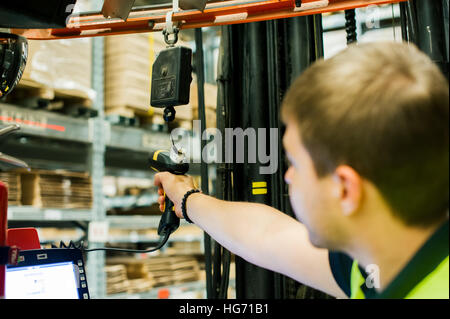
{"points": [[341, 266]]}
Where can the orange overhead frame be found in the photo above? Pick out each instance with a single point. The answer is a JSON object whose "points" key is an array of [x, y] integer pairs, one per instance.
{"points": [[215, 14]]}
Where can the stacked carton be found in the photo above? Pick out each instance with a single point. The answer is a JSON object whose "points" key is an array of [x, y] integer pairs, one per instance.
{"points": [[170, 270], [56, 189], [12, 182], [116, 279], [128, 65], [127, 275]]}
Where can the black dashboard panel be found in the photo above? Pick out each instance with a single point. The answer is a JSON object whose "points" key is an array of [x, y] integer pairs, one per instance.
{"points": [[35, 14]]}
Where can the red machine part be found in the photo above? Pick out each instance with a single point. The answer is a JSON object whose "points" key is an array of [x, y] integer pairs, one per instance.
{"points": [[23, 238], [17, 238], [3, 225], [215, 14]]}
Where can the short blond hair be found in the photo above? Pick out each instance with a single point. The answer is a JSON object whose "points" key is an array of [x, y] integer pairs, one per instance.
{"points": [[383, 109]]}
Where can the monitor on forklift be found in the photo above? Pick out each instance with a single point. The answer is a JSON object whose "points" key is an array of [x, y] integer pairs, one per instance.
{"points": [[47, 274]]}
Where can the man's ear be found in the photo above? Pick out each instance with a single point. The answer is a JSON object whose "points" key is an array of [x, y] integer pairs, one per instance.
{"points": [[348, 189]]}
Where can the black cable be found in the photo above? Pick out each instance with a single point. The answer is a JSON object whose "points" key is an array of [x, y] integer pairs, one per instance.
{"points": [[159, 246], [226, 255], [404, 21], [412, 22]]}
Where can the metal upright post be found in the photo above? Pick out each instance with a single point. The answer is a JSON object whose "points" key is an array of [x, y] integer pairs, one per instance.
{"points": [[96, 260]]}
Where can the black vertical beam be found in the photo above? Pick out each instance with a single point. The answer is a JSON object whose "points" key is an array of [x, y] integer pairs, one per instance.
{"points": [[445, 10], [224, 177], [350, 26], [431, 32], [250, 58], [199, 70], [318, 36], [404, 20], [425, 23], [300, 43], [275, 89], [258, 62]]}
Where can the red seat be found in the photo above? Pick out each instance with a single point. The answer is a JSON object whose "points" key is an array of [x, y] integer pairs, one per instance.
{"points": [[23, 238]]}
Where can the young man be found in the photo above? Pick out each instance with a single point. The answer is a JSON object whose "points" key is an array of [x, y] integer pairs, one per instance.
{"points": [[367, 137]]}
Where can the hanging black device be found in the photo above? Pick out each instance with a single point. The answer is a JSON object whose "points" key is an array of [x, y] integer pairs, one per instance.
{"points": [[171, 80]]}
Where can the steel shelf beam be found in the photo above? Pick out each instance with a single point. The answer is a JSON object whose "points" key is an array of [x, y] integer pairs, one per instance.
{"points": [[135, 139], [21, 213], [136, 222], [46, 124]]}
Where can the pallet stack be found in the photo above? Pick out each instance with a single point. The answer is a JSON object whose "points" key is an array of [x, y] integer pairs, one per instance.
{"points": [[127, 275], [116, 279], [171, 270], [56, 189], [139, 275]]}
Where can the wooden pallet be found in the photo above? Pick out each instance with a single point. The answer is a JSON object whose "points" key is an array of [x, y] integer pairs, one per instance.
{"points": [[130, 116], [33, 95]]}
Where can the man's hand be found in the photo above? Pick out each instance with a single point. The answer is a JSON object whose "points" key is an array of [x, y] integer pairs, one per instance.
{"points": [[175, 187]]}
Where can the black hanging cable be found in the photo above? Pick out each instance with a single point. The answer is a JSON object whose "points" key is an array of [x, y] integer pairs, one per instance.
{"points": [[226, 260], [124, 250], [404, 21], [412, 22]]}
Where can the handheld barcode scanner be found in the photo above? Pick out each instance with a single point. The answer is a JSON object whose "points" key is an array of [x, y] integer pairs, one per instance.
{"points": [[168, 161]]}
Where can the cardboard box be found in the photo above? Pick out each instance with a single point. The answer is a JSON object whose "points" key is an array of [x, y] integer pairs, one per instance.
{"points": [[13, 184], [56, 189]]}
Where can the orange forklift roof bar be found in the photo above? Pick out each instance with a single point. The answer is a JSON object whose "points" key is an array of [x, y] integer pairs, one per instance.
{"points": [[216, 13]]}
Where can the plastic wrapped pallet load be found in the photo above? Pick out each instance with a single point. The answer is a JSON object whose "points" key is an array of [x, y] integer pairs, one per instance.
{"points": [[128, 62], [61, 67]]}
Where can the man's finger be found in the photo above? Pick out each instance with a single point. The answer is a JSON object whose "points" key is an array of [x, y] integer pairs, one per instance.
{"points": [[157, 181]]}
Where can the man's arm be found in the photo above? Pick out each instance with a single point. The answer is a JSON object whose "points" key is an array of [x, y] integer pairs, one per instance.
{"points": [[258, 233]]}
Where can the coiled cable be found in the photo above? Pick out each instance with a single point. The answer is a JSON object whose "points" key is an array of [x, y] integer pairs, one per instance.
{"points": [[350, 26]]}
